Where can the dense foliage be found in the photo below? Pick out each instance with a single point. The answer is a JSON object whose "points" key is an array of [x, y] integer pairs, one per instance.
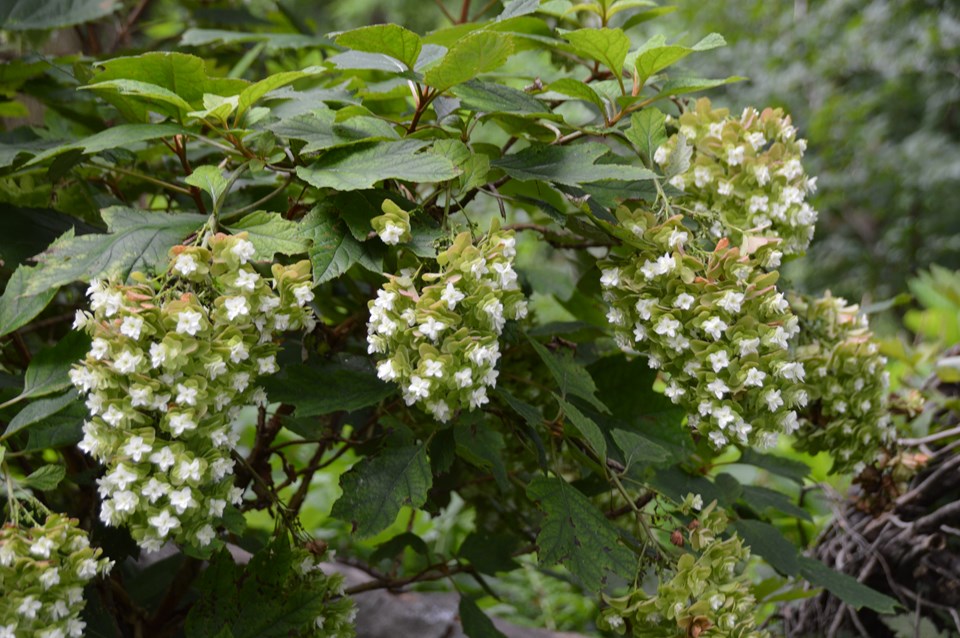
{"points": [[508, 284]]}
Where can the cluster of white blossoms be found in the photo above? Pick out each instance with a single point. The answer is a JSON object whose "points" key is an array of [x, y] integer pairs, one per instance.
{"points": [[171, 364], [745, 175], [43, 570], [708, 594], [438, 333], [717, 328], [848, 415]]}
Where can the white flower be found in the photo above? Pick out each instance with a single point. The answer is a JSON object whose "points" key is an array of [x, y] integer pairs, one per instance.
{"points": [[205, 535], [386, 370], [717, 438], [113, 416], [677, 237], [639, 332], [463, 377], [180, 423], [697, 502], [508, 278], [610, 277], [269, 304], [185, 265], [716, 129], [164, 459], [110, 302], [451, 296], [136, 448], [125, 501], [777, 338], [127, 362], [182, 500], [75, 628], [719, 360], [303, 294], [509, 244], [702, 176], [418, 388], [158, 355], [216, 507], [644, 306], [215, 368], [677, 182], [440, 410], [683, 301], [99, 348], [80, 321], [724, 416], [735, 156], [220, 468], [674, 391], [667, 326], [188, 322], [432, 328], [758, 203], [731, 302], [725, 188], [789, 422], [164, 523], [478, 397], [717, 388], [84, 379], [41, 547], [131, 327], [762, 173], [239, 352], [29, 607], [186, 395], [755, 377], [773, 399], [246, 280], [494, 309], [616, 317], [661, 155], [756, 140], [392, 233], [714, 326], [86, 569], [236, 307], [748, 346], [792, 371], [244, 251], [155, 489]]}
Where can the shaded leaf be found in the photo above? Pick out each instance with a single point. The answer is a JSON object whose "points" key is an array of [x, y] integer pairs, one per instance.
{"points": [[569, 165], [270, 234], [845, 587], [377, 488], [647, 131], [333, 251], [787, 468], [17, 308], [762, 499], [571, 377], [330, 387], [48, 370], [321, 130], [27, 15], [578, 535], [351, 169], [45, 478], [639, 449], [39, 410], [586, 427], [766, 541], [491, 97], [482, 446], [120, 136], [475, 623], [579, 90]]}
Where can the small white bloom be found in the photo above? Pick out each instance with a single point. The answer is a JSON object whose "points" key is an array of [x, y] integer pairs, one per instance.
{"points": [[246, 280], [131, 327], [644, 307], [236, 307], [735, 156], [188, 322], [661, 155], [667, 326], [748, 346], [304, 294], [719, 360], [136, 448], [610, 277], [42, 547], [714, 326], [205, 535], [718, 388], [697, 502], [451, 296], [463, 377], [29, 607], [127, 362], [755, 377], [154, 489], [391, 233], [244, 251], [164, 523], [182, 500], [239, 352], [725, 188], [773, 399], [418, 388], [431, 328], [99, 348], [185, 265], [702, 176], [479, 397], [683, 301], [180, 423]]}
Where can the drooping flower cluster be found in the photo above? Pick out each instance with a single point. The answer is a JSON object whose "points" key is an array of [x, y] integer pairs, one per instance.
{"points": [[717, 328], [745, 174], [171, 363], [43, 570], [339, 611], [848, 414], [706, 595], [438, 332]]}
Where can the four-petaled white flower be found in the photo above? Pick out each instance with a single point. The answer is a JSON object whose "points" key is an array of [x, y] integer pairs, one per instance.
{"points": [[185, 265], [188, 322], [244, 250], [451, 296]]}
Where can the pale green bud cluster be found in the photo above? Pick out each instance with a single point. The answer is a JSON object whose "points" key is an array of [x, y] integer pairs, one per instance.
{"points": [[171, 364], [393, 226], [745, 174], [339, 611], [43, 570], [707, 595], [848, 414], [439, 332], [716, 327]]}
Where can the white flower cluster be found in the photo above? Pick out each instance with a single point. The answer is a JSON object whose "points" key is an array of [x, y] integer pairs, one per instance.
{"points": [[171, 364], [440, 340], [707, 595], [746, 175], [43, 571], [717, 328], [848, 415]]}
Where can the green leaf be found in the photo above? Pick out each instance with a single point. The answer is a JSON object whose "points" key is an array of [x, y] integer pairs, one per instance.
{"points": [[138, 240], [607, 46], [639, 449], [516, 8], [321, 130], [333, 250], [476, 53], [377, 488], [45, 478], [350, 169], [762, 499], [274, 41], [569, 165], [481, 446], [647, 131], [571, 377], [162, 100], [48, 371], [766, 541], [253, 93], [531, 414], [788, 468], [39, 410], [29, 15], [17, 308], [475, 623], [330, 387], [389, 39], [579, 90], [657, 58], [270, 234], [586, 427], [578, 535], [491, 97], [120, 136], [646, 16], [210, 179], [845, 587], [489, 553], [680, 86]]}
